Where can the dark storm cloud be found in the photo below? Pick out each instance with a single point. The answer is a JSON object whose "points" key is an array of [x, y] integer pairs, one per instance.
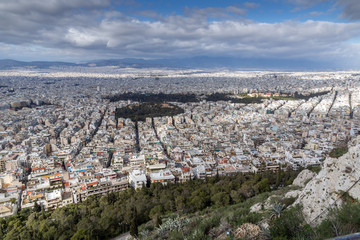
{"points": [[351, 9]]}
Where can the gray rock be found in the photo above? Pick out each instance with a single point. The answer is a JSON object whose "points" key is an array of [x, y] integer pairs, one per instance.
{"points": [[324, 190], [303, 178]]}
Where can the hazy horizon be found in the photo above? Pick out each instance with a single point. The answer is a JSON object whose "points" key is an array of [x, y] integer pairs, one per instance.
{"points": [[317, 33]]}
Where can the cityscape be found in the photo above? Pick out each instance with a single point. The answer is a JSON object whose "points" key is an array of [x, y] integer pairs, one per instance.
{"points": [[65, 144], [130, 119]]}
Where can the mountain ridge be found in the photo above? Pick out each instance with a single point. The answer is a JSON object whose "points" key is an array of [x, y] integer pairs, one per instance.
{"points": [[204, 62]]}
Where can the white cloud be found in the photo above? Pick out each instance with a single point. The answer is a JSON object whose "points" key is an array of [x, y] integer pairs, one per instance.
{"points": [[63, 32], [176, 35], [306, 3], [56, 7], [84, 38], [251, 4]]}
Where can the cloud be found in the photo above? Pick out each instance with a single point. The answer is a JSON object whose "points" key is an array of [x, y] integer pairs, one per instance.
{"points": [[55, 7], [316, 14], [29, 21], [351, 9], [251, 5], [60, 30], [149, 14], [227, 12], [182, 36], [304, 4]]}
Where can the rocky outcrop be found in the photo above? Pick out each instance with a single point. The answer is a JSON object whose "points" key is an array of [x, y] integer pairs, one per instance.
{"points": [[324, 191], [303, 178], [273, 199], [264, 206], [292, 194]]}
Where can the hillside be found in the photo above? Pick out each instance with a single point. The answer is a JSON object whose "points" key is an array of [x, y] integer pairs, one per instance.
{"points": [[118, 212], [316, 206], [337, 177], [242, 206]]}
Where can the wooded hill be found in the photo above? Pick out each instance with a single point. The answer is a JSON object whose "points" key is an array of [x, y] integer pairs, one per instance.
{"points": [[118, 212]]}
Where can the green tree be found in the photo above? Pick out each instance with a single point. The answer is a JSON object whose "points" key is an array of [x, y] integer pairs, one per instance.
{"points": [[263, 185], [37, 207], [198, 203], [180, 203], [221, 199], [278, 176], [155, 214], [134, 224], [81, 234], [236, 196]]}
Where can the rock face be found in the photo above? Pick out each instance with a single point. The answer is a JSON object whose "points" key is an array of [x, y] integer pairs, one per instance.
{"points": [[292, 194], [324, 190], [303, 177]]}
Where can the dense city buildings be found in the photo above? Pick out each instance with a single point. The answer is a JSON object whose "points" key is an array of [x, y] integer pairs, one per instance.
{"points": [[61, 140]]}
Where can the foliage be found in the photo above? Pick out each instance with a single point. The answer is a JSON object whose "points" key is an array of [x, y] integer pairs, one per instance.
{"points": [[276, 210], [308, 96], [245, 98], [284, 98], [110, 215], [162, 97], [314, 168], [172, 224], [214, 222], [341, 221], [287, 201], [142, 111], [225, 97], [152, 97], [338, 151], [134, 223], [290, 225]]}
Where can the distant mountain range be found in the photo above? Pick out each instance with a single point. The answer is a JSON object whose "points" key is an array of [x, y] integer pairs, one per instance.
{"points": [[187, 63], [9, 64]]}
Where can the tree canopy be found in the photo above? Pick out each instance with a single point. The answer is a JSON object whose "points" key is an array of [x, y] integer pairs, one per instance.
{"points": [[118, 212]]}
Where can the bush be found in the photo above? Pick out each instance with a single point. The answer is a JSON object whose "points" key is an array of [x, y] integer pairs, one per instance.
{"points": [[287, 201], [341, 221], [249, 218], [338, 151], [290, 225], [314, 168]]}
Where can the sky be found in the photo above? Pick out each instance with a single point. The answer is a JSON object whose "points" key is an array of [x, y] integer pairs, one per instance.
{"points": [[83, 30]]}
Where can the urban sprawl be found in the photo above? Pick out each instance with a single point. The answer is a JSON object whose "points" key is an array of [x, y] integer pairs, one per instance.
{"points": [[60, 141]]}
